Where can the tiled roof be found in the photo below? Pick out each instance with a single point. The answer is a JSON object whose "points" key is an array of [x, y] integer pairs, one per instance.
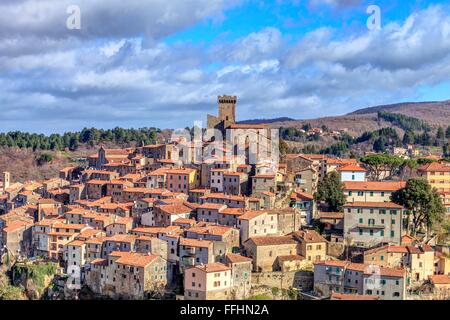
{"points": [[292, 257], [435, 167], [331, 215], [271, 240], [309, 236], [134, 259], [195, 243], [237, 258], [351, 167], [440, 279], [248, 215], [374, 185], [213, 267]]}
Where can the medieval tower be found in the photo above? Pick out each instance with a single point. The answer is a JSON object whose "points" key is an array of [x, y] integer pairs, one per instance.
{"points": [[227, 113]]}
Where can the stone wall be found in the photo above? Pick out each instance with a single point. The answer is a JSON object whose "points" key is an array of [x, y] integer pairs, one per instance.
{"points": [[302, 280]]}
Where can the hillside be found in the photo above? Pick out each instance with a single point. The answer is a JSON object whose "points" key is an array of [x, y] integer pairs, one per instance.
{"points": [[434, 113]]}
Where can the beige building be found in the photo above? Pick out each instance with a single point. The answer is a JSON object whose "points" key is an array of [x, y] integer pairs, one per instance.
{"points": [[257, 223], [417, 260], [371, 191], [311, 245], [208, 282]]}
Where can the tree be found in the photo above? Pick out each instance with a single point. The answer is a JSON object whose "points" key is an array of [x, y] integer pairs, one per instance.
{"points": [[331, 191], [380, 144], [446, 150], [44, 158], [447, 132], [377, 163], [284, 148], [423, 203], [411, 165], [409, 138], [440, 134]]}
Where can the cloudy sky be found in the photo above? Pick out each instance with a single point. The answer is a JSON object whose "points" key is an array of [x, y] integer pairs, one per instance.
{"points": [[162, 63]]}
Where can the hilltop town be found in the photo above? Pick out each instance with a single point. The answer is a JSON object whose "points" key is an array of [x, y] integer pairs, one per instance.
{"points": [[241, 217]]}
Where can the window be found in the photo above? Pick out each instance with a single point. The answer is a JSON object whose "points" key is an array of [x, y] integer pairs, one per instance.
{"points": [[392, 234], [371, 232], [360, 232]]}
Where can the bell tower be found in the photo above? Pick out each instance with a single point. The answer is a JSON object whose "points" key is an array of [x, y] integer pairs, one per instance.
{"points": [[6, 180]]}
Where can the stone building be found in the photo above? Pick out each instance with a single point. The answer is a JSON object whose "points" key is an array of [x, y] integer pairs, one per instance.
{"points": [[371, 223], [265, 250]]}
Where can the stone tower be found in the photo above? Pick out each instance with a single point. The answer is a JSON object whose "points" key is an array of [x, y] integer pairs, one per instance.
{"points": [[6, 180], [227, 113], [227, 109]]}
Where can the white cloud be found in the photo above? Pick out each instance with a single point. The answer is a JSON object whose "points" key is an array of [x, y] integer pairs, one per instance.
{"points": [[124, 80]]}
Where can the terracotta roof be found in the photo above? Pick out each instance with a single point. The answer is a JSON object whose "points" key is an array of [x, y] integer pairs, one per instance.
{"points": [[212, 206], [180, 171], [213, 267], [15, 225], [195, 243], [440, 279], [218, 230], [76, 243], [309, 236], [292, 257], [175, 209], [331, 215], [134, 259], [389, 205], [302, 195], [233, 211], [337, 161], [271, 240], [185, 221], [237, 258], [374, 185], [435, 167], [351, 167], [248, 215], [388, 249]]}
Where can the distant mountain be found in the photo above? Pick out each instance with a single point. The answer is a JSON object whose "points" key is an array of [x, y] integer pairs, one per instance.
{"points": [[434, 113], [261, 121]]}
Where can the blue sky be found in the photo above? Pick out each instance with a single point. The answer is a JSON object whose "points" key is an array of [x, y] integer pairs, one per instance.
{"points": [[162, 63]]}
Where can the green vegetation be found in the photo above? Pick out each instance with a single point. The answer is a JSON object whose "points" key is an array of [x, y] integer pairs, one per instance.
{"points": [[44, 158], [9, 292], [72, 140], [381, 140], [331, 191], [377, 163], [36, 272], [404, 122], [424, 204]]}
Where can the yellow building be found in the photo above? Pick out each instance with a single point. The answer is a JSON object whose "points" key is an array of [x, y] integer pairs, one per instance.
{"points": [[438, 175]]}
